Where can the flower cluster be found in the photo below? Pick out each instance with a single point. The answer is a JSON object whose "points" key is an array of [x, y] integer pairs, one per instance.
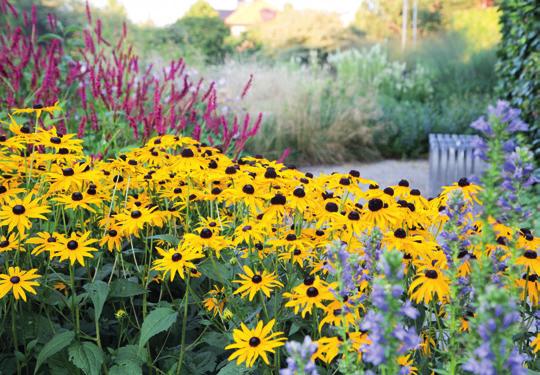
{"points": [[247, 254]]}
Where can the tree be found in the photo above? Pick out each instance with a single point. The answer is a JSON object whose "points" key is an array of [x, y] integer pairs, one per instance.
{"points": [[201, 9], [302, 30]]}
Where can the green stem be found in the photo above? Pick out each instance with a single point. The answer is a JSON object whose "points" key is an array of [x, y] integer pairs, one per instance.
{"points": [[184, 324]]}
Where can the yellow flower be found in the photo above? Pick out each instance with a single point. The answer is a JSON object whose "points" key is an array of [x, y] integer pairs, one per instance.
{"points": [[75, 248], [253, 282], [407, 368], [250, 344], [312, 292], [215, 303], [535, 344], [19, 282], [18, 212], [428, 283], [38, 109], [177, 260]]}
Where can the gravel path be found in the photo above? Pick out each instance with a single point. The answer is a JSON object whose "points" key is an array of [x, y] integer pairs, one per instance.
{"points": [[386, 172]]}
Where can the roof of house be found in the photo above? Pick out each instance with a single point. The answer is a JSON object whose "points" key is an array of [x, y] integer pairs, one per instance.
{"points": [[224, 13], [252, 12]]}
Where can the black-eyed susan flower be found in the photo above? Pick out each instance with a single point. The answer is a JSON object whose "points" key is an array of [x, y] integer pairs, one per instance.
{"points": [[327, 348], [470, 191], [215, 302], [252, 282], [312, 292], [429, 283], [17, 213], [113, 238], [37, 109], [179, 260], [377, 213], [75, 248], [133, 221], [250, 344], [46, 241], [18, 282]]}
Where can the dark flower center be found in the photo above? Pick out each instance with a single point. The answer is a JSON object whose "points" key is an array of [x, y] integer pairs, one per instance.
{"points": [[136, 214], [206, 233], [297, 252], [113, 233], [337, 312], [248, 189], [230, 170], [319, 233], [354, 216], [400, 233], [216, 191], [529, 254], [299, 193], [25, 129], [403, 183], [431, 274], [354, 173], [463, 182], [312, 292], [278, 199], [270, 173], [55, 140], [389, 191], [344, 181], [331, 207], [72, 245], [309, 280], [18, 209], [291, 237], [68, 172], [375, 205], [254, 342], [15, 279], [415, 192], [77, 196], [3, 189], [51, 239], [187, 153], [63, 151], [176, 257], [256, 279], [4, 243]]}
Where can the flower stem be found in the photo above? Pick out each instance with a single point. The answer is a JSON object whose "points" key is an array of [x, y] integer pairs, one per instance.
{"points": [[184, 324]]}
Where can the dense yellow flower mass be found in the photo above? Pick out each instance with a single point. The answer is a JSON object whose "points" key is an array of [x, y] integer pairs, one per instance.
{"points": [[178, 207]]}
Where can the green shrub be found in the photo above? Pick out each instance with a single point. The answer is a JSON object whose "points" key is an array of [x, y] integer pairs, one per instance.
{"points": [[373, 69], [519, 61]]}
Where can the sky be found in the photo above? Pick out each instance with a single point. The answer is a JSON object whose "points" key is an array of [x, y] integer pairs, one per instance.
{"points": [[163, 12]]}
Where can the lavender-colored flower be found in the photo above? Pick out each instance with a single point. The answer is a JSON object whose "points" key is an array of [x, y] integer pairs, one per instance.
{"points": [[299, 360]]}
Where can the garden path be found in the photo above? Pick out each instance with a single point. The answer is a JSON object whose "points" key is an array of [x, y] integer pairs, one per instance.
{"points": [[386, 172]]}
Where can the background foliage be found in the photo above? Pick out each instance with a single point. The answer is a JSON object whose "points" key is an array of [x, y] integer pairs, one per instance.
{"points": [[519, 61]]}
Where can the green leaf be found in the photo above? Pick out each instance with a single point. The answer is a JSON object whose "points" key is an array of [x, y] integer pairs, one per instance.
{"points": [[128, 368], [232, 369], [86, 356], [57, 343], [125, 288], [159, 320], [98, 291]]}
